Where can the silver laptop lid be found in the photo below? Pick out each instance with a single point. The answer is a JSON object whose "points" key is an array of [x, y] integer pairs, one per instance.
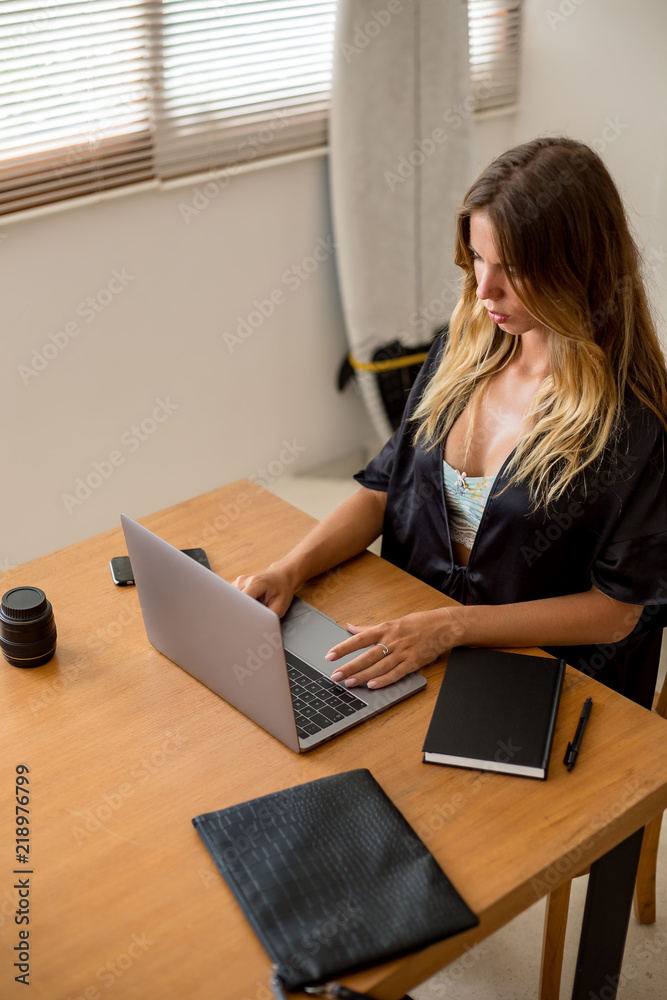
{"points": [[222, 637]]}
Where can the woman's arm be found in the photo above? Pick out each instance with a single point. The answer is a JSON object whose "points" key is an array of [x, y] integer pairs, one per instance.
{"points": [[345, 532], [417, 639]]}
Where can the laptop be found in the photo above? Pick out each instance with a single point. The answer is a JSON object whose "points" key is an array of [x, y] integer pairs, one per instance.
{"points": [[272, 670]]}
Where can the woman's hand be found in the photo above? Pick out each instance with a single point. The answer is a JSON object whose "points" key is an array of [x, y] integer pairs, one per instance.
{"points": [[345, 532], [274, 588], [411, 643]]}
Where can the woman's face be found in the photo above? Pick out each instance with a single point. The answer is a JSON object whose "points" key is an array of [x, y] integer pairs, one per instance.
{"points": [[493, 287]]}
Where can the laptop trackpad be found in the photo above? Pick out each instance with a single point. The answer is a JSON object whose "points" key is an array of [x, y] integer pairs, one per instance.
{"points": [[311, 635]]}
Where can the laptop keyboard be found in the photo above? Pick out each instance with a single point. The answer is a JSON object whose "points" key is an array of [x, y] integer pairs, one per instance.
{"points": [[318, 701]]}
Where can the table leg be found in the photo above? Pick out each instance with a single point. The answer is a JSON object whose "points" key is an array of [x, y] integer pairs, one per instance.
{"points": [[605, 925]]}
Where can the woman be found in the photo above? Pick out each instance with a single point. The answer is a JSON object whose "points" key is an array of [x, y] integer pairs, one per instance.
{"points": [[527, 477]]}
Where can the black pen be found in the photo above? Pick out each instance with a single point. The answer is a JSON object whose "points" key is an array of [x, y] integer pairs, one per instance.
{"points": [[335, 991], [573, 747]]}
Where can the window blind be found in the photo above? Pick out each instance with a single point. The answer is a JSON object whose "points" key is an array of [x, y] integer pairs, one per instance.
{"points": [[494, 29], [97, 94], [241, 79], [75, 108]]}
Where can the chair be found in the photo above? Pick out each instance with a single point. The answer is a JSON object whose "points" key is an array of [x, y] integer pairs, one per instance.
{"points": [[555, 918]]}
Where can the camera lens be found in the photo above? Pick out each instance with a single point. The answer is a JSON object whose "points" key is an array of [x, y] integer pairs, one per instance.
{"points": [[27, 627]]}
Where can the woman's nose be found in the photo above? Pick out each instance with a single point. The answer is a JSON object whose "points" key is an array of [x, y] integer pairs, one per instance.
{"points": [[488, 285]]}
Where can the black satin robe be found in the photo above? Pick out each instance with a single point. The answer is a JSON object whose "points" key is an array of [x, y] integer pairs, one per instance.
{"points": [[610, 530]]}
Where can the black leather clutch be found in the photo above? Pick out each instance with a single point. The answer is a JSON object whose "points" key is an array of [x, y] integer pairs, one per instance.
{"points": [[331, 877]]}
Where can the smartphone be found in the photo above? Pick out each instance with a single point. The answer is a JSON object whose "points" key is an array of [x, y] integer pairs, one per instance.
{"points": [[121, 568]]}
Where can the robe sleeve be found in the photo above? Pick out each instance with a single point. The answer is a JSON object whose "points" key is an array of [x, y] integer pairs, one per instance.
{"points": [[632, 564], [377, 473]]}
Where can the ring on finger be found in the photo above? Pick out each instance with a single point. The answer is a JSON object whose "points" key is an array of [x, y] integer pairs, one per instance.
{"points": [[385, 651]]}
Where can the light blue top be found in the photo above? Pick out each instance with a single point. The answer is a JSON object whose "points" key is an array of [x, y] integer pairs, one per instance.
{"points": [[466, 498]]}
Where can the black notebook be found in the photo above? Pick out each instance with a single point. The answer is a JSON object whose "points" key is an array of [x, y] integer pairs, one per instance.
{"points": [[496, 712], [332, 877]]}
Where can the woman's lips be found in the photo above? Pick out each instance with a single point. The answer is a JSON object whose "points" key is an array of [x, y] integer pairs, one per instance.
{"points": [[498, 317]]}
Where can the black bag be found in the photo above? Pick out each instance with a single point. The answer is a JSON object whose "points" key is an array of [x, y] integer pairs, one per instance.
{"points": [[332, 878]]}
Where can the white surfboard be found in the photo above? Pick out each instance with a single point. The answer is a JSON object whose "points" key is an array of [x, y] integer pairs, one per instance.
{"points": [[401, 158]]}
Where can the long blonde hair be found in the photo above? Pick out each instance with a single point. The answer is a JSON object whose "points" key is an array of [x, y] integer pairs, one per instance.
{"points": [[560, 227]]}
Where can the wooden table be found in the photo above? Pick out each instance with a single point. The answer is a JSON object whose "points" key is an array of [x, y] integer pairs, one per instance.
{"points": [[124, 748]]}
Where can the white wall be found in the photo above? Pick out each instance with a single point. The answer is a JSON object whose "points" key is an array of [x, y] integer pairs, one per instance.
{"points": [[161, 336], [166, 290], [597, 70]]}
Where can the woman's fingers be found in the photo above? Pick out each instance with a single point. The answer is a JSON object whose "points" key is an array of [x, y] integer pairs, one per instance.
{"points": [[376, 666], [352, 644], [392, 649], [268, 588]]}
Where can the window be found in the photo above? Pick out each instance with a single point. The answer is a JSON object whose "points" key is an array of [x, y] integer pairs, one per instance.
{"points": [[97, 94], [240, 80], [75, 99], [493, 38]]}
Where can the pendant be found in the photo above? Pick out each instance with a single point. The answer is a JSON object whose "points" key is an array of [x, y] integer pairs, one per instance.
{"points": [[460, 481]]}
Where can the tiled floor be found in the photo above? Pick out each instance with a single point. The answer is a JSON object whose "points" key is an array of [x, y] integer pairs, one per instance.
{"points": [[506, 965]]}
